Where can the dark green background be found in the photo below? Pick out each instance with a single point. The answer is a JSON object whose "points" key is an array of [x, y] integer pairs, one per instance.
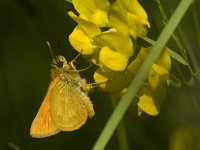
{"points": [[25, 26]]}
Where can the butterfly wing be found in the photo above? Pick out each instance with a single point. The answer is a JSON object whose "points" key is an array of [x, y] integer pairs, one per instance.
{"points": [[70, 107], [42, 125]]}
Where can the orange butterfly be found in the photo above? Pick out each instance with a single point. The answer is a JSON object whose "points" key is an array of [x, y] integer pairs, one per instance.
{"points": [[66, 105]]}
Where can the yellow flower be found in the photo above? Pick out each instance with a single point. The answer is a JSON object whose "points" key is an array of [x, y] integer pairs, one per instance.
{"points": [[116, 82], [81, 42], [164, 60], [157, 75], [128, 17], [150, 100], [116, 49], [135, 65], [147, 105], [93, 10]]}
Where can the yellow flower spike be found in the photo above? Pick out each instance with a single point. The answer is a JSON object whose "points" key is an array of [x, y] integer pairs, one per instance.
{"points": [[117, 81], [112, 59], [93, 10], [157, 75], [128, 17]]}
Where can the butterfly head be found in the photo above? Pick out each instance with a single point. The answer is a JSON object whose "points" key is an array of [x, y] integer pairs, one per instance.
{"points": [[59, 62]]}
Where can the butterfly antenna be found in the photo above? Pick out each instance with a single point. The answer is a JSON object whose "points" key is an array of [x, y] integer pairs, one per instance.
{"points": [[49, 45], [74, 60]]}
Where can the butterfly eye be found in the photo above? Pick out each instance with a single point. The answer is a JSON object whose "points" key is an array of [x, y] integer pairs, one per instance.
{"points": [[59, 64]]}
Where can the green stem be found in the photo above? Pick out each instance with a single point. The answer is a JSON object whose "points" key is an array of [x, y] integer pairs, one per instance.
{"points": [[135, 85], [121, 129]]}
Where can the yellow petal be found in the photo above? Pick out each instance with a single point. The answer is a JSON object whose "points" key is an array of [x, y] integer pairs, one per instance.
{"points": [[117, 81], [94, 10], [128, 17], [112, 59], [137, 9], [136, 26], [164, 60], [80, 42], [117, 17], [157, 75], [117, 41], [100, 78], [147, 105], [136, 64], [89, 28]]}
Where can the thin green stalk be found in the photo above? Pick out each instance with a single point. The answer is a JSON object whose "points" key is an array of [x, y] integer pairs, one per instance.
{"points": [[121, 129], [196, 23], [180, 73], [189, 48], [196, 105], [176, 38], [140, 76]]}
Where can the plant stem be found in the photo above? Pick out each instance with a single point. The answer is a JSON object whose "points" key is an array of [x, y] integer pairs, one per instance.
{"points": [[121, 129]]}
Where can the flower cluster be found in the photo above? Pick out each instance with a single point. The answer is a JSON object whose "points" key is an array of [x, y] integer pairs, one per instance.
{"points": [[107, 33]]}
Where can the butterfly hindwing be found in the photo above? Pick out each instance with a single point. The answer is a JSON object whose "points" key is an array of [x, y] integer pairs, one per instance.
{"points": [[70, 107]]}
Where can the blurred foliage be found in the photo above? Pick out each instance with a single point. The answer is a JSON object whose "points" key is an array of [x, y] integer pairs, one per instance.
{"points": [[24, 77]]}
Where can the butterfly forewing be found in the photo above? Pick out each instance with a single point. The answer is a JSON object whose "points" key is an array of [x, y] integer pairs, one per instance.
{"points": [[42, 125]]}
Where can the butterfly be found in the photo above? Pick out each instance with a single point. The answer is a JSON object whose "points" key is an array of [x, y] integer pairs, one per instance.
{"points": [[66, 106]]}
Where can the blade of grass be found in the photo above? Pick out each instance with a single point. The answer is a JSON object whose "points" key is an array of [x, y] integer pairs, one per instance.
{"points": [[121, 129], [140, 76]]}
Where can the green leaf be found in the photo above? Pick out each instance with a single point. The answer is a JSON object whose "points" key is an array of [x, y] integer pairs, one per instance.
{"points": [[177, 57]]}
